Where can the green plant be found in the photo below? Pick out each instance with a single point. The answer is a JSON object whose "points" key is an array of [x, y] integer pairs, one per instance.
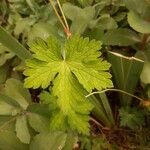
{"points": [[131, 117], [66, 66], [68, 103]]}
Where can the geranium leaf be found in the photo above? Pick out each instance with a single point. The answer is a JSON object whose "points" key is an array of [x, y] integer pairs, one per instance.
{"points": [[74, 69]]}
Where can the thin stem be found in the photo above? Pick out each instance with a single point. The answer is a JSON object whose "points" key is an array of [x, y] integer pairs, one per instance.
{"points": [[96, 122], [65, 26], [116, 90], [65, 20], [56, 12]]}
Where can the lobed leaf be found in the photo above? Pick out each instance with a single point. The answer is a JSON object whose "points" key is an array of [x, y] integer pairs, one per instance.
{"points": [[74, 68]]}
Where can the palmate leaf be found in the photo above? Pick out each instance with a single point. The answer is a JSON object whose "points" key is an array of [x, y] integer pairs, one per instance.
{"points": [[131, 117], [74, 69]]}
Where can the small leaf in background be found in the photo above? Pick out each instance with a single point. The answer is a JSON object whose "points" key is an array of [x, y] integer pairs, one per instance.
{"points": [[85, 2], [8, 106], [100, 144], [9, 141], [47, 98], [23, 25], [101, 4], [131, 117], [137, 23], [85, 143], [41, 109], [3, 9], [141, 7], [7, 123], [38, 117], [137, 6], [5, 108], [38, 122], [71, 141], [14, 88], [120, 37], [120, 16], [42, 30], [22, 131], [5, 54], [145, 75], [106, 22], [95, 33], [80, 17], [4, 71], [49, 141]]}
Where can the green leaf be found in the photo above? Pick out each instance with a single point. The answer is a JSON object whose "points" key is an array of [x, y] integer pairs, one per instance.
{"points": [[95, 33], [120, 16], [41, 109], [67, 70], [106, 22], [99, 112], [38, 123], [145, 78], [22, 130], [8, 106], [105, 103], [137, 23], [47, 98], [5, 54], [71, 140], [51, 141], [3, 73], [85, 2], [85, 63], [126, 72], [22, 25], [100, 144], [72, 103], [38, 117], [131, 117], [7, 123], [13, 45], [6, 109], [120, 37], [80, 17], [137, 6], [14, 88], [42, 30], [9, 141]]}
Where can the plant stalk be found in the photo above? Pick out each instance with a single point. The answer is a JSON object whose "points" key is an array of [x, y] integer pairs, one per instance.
{"points": [[116, 90], [63, 23]]}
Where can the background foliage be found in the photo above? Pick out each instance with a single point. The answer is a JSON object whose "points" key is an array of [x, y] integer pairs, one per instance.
{"points": [[117, 121]]}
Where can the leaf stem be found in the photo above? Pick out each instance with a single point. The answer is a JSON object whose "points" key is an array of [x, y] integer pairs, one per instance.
{"points": [[63, 23], [56, 12], [115, 90], [65, 20], [96, 122]]}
